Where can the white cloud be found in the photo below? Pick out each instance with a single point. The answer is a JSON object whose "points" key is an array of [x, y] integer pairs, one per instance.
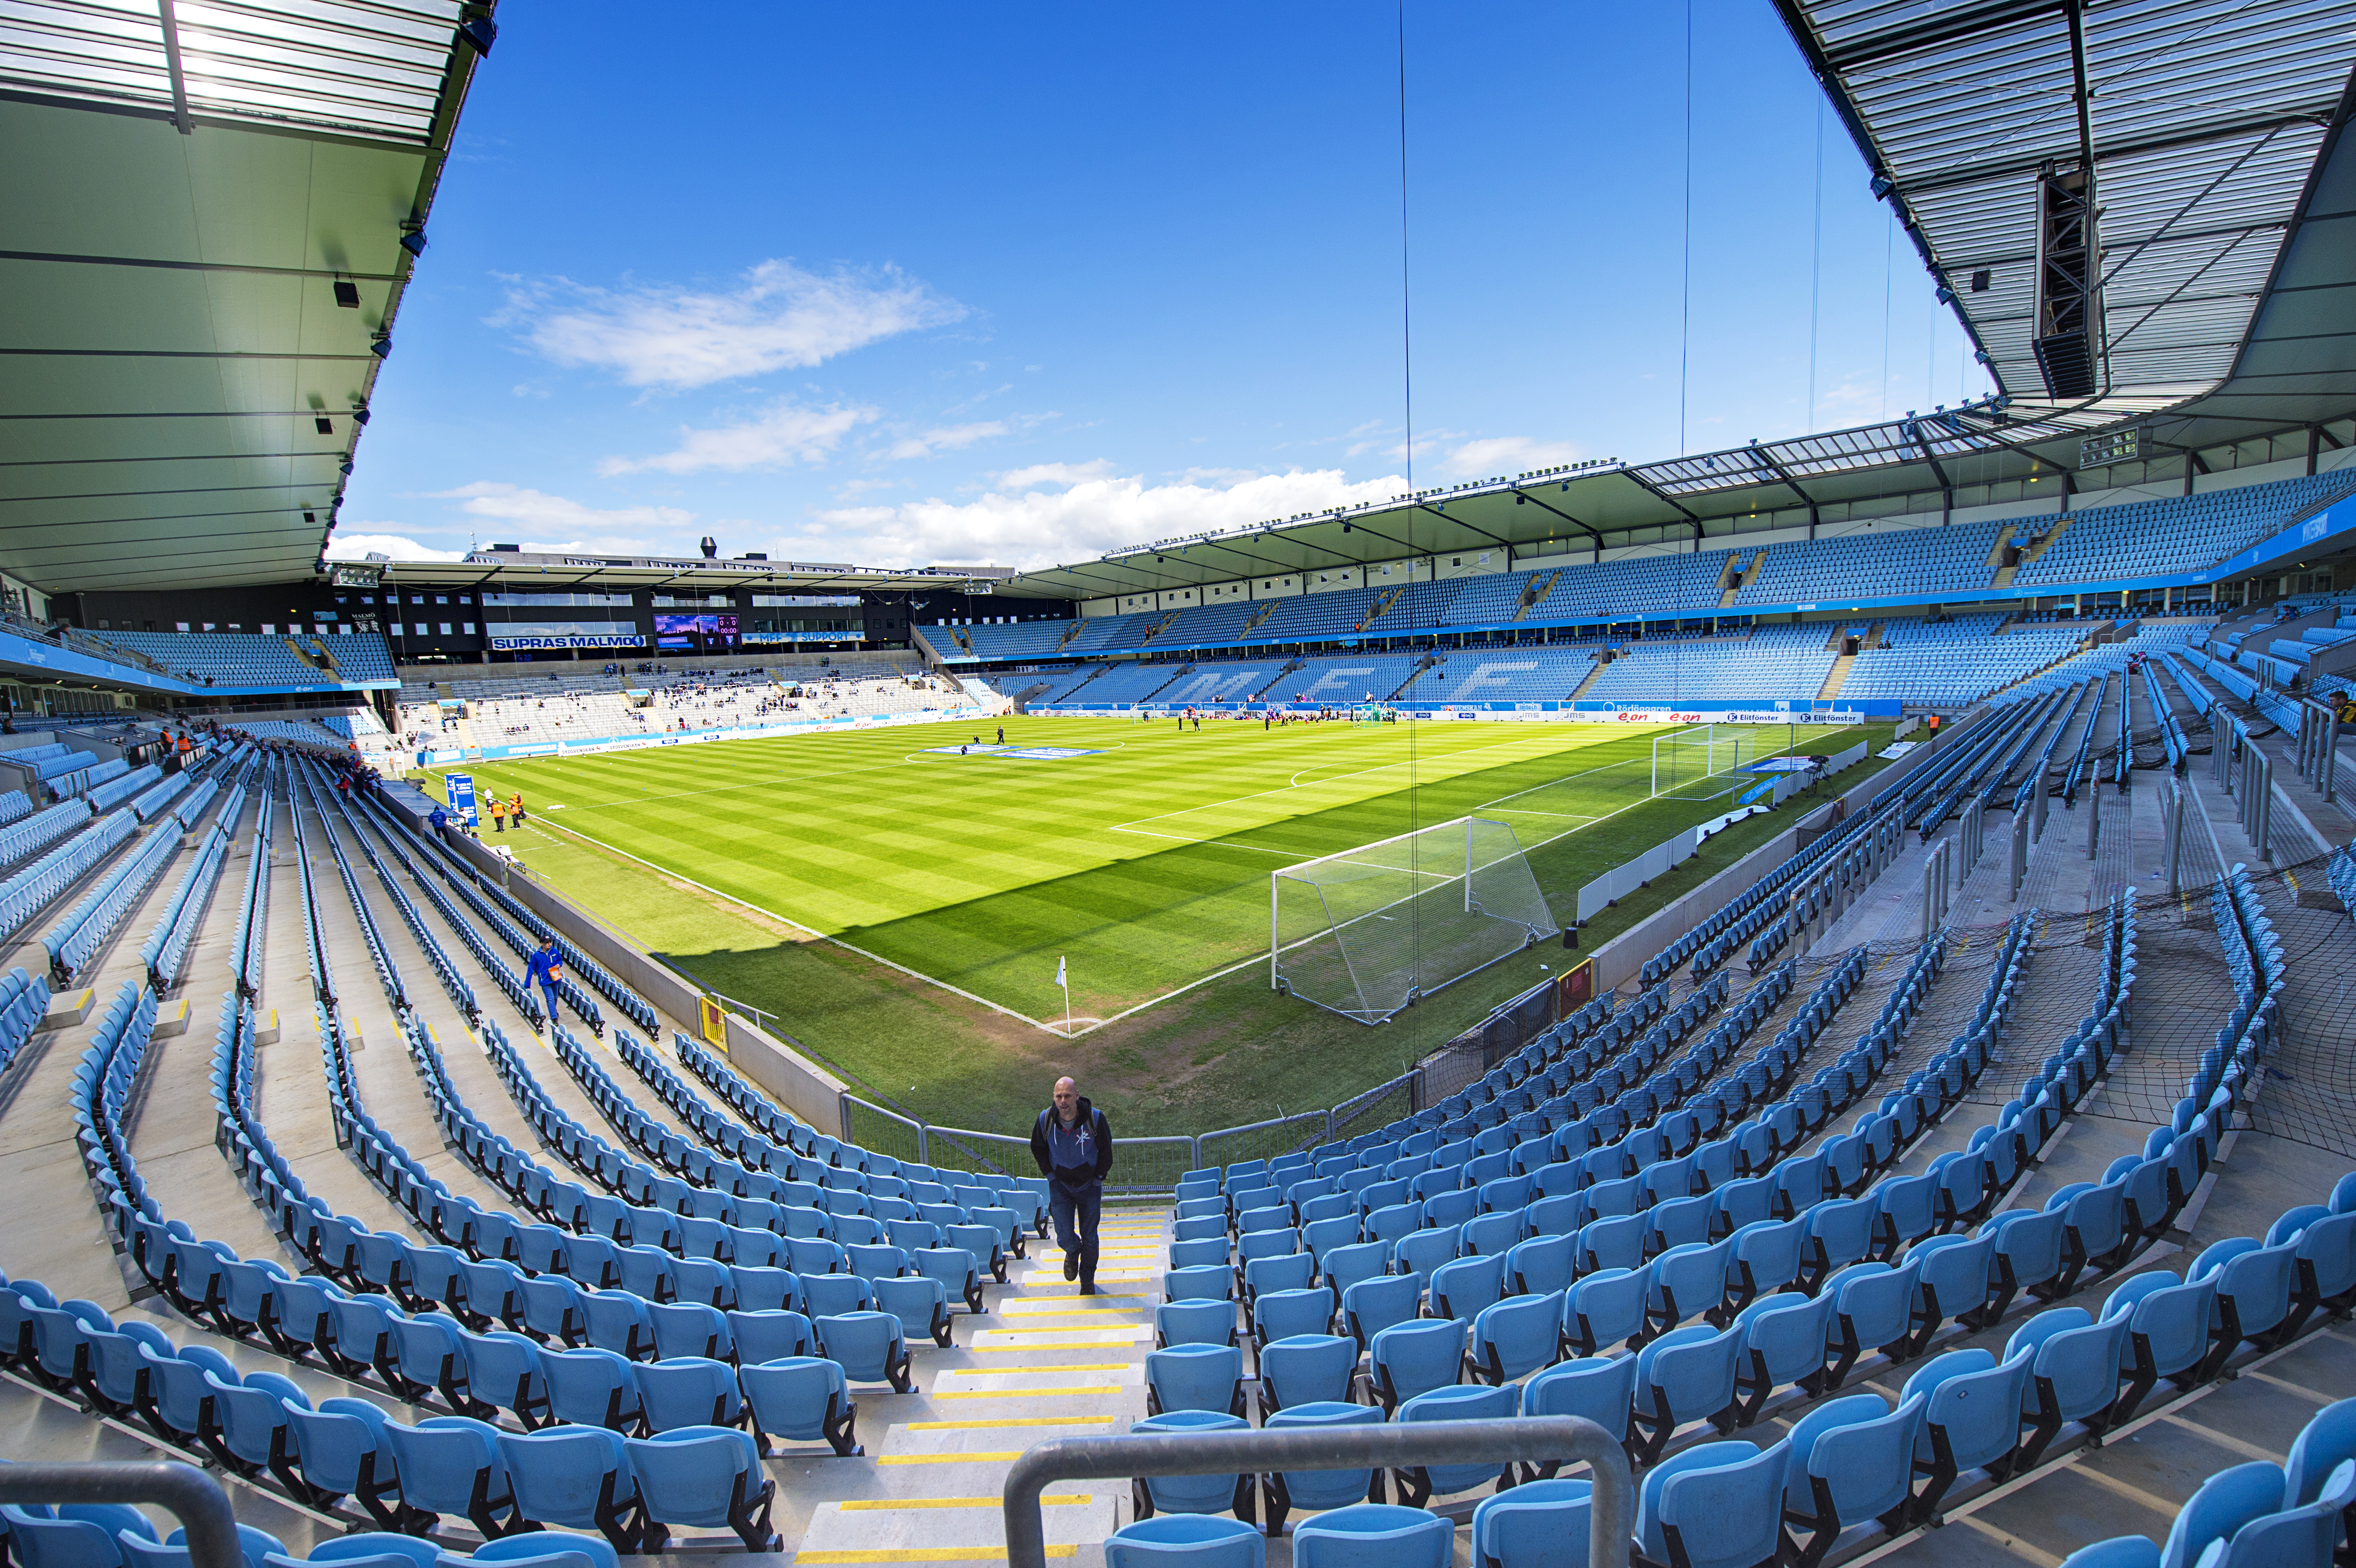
{"points": [[950, 438], [780, 317], [616, 531], [785, 434], [1054, 474], [1024, 523], [1507, 454], [395, 546]]}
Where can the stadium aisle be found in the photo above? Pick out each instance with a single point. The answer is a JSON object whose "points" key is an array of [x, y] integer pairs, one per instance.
{"points": [[1046, 1362], [37, 1145]]}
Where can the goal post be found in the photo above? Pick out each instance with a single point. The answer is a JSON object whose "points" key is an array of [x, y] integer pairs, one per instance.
{"points": [[1686, 762], [1366, 931]]}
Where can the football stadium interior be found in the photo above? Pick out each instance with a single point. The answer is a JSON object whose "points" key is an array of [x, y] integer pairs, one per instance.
{"points": [[1457, 900]]}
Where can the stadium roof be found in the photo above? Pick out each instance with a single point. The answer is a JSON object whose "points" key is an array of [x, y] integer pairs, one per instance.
{"points": [[2201, 120], [206, 204]]}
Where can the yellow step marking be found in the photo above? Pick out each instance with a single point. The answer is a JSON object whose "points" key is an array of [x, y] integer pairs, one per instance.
{"points": [[1009, 1421], [1076, 1327], [925, 1554], [1029, 1393], [1007, 1457], [1044, 1345], [892, 1505], [1028, 1299]]}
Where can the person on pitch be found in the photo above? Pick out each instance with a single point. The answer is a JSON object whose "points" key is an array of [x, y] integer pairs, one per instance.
{"points": [[1072, 1143]]}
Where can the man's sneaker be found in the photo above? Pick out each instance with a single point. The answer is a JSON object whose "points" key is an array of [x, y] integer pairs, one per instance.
{"points": [[1071, 1265]]}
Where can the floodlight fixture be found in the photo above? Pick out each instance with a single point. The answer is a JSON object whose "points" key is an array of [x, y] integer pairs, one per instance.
{"points": [[412, 239], [1946, 295], [1881, 185], [325, 425], [479, 34], [381, 348], [348, 293]]}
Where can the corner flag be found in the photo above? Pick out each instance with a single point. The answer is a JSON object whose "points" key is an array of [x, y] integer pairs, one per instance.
{"points": [[1059, 973]]}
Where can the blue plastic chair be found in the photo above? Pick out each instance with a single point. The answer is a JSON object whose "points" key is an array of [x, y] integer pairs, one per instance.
{"points": [[2074, 1373], [1307, 1368], [1374, 1535], [868, 1346], [1186, 1540], [803, 1398], [1602, 1389], [688, 1391], [1195, 1378], [1538, 1524], [1515, 1337], [76, 1535], [593, 1387], [1382, 1302], [1723, 1511], [709, 1477], [1687, 1374], [1194, 1323], [1606, 1309], [1317, 1489], [1417, 1484], [1851, 1460], [577, 1477], [1414, 1357], [450, 1465], [1972, 1420], [2222, 1504], [1151, 1494]]}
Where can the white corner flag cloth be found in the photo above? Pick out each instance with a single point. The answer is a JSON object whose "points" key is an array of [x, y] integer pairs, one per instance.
{"points": [[1059, 972]]}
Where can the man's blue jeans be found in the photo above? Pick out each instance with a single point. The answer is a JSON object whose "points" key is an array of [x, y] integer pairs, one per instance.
{"points": [[1076, 1215], [550, 992]]}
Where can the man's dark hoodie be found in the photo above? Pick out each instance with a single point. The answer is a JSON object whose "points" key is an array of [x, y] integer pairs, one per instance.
{"points": [[1081, 1178]]}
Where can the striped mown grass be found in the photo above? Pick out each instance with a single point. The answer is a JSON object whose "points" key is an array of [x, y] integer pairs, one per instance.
{"points": [[1145, 864]]}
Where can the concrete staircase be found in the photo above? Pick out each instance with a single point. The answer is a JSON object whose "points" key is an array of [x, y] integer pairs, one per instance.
{"points": [[1835, 676], [1044, 1363], [1390, 597], [1731, 580], [1268, 608], [1535, 594], [1594, 673]]}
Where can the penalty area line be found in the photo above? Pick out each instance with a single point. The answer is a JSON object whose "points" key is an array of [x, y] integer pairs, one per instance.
{"points": [[822, 936]]}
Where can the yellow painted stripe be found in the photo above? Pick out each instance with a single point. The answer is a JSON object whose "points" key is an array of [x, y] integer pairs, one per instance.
{"points": [[894, 1505], [1044, 1345], [950, 1458], [1032, 1299], [927, 1554], [1031, 1392], [1072, 1327], [1043, 1372], [1010, 1420], [1056, 1312]]}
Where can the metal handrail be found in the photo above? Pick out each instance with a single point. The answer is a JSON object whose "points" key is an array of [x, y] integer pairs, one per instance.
{"points": [[1529, 1440], [193, 1496]]}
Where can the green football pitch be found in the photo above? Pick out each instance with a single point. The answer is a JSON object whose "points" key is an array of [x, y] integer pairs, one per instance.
{"points": [[1138, 853]]}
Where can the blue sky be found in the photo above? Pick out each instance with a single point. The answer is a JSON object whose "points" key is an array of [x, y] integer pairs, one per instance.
{"points": [[926, 284]]}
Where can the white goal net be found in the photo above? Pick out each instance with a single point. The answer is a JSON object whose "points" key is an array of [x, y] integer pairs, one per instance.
{"points": [[1367, 931], [1701, 763]]}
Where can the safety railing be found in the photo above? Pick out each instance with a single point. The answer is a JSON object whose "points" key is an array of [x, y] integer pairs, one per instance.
{"points": [[194, 1499], [1522, 1440], [1261, 1140]]}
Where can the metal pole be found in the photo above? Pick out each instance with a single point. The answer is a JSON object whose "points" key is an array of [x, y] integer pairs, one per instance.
{"points": [[194, 1499], [2020, 855], [2174, 806], [2094, 820], [1529, 1440], [2044, 790], [2262, 802], [1932, 879], [2329, 763]]}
